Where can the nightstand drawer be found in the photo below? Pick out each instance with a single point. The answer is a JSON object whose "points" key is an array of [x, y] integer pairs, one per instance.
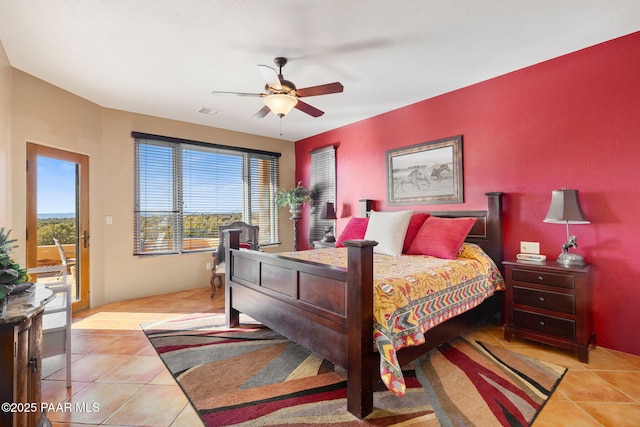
{"points": [[547, 325], [544, 278], [553, 301]]}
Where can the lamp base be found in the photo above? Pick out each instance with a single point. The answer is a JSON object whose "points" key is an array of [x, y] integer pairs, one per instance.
{"points": [[568, 259], [328, 235]]}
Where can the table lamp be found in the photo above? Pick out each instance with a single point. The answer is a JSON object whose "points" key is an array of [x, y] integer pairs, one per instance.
{"points": [[565, 209], [328, 212]]}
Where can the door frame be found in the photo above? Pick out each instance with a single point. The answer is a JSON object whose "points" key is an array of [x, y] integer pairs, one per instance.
{"points": [[82, 213]]}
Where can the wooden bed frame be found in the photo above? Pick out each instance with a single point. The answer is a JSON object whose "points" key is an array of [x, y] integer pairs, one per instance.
{"points": [[329, 310]]}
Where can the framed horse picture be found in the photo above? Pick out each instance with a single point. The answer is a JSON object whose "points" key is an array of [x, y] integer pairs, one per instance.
{"points": [[427, 173]]}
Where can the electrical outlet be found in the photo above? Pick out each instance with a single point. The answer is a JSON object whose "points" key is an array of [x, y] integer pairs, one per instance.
{"points": [[530, 247], [208, 266]]}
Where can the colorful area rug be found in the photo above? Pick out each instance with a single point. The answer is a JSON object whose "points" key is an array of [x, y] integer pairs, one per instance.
{"points": [[252, 376]]}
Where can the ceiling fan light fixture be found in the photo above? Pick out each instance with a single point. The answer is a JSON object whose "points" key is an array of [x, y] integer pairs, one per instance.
{"points": [[280, 104]]}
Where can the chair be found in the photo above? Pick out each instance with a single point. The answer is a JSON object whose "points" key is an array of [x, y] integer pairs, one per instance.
{"points": [[248, 240], [68, 262], [56, 319]]}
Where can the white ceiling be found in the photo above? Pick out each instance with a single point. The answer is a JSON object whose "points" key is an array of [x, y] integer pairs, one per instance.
{"points": [[164, 57]]}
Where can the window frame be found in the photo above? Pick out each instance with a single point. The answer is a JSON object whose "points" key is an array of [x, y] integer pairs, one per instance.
{"points": [[323, 185], [177, 212]]}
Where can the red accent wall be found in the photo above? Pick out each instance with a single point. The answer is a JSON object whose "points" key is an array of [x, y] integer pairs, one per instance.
{"points": [[573, 121]]}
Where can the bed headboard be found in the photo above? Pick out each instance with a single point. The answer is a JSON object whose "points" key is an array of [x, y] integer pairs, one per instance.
{"points": [[487, 231]]}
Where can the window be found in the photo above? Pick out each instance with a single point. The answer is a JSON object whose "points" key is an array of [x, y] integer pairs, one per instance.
{"points": [[323, 184], [185, 190]]}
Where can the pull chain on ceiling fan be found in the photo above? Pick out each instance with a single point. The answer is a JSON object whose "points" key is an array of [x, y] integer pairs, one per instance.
{"points": [[282, 95]]}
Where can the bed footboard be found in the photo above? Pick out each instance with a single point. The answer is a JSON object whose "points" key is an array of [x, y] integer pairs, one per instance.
{"points": [[309, 303]]}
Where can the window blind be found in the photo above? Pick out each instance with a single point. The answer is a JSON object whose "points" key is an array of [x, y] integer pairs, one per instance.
{"points": [[323, 184], [185, 190]]}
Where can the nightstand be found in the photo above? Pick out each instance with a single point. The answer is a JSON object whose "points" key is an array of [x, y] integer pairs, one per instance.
{"points": [[551, 304], [319, 244]]}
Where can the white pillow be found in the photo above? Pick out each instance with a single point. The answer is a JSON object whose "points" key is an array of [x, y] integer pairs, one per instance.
{"points": [[388, 229]]}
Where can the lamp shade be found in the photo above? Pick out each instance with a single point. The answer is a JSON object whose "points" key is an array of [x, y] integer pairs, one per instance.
{"points": [[280, 104], [565, 208], [328, 211]]}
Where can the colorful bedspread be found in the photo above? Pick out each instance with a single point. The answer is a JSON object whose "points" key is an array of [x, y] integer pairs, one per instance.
{"points": [[413, 293]]}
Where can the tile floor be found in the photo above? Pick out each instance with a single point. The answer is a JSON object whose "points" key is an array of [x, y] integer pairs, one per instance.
{"points": [[118, 380]]}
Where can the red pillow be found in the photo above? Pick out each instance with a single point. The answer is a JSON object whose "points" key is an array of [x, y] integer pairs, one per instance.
{"points": [[441, 237], [416, 221], [355, 229]]}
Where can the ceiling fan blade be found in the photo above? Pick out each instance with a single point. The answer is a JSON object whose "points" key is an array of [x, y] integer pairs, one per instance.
{"points": [[258, 95], [306, 108], [325, 89], [270, 75], [263, 112]]}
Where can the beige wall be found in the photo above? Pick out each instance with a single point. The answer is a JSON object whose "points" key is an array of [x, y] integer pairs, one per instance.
{"points": [[5, 137], [41, 113]]}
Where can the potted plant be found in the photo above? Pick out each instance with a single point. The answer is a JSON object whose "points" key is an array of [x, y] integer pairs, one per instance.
{"points": [[294, 198], [11, 274]]}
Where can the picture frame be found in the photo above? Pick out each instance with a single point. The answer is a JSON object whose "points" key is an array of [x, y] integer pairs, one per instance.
{"points": [[426, 173]]}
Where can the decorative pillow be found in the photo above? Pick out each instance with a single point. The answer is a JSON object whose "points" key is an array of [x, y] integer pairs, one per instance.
{"points": [[416, 221], [355, 229], [441, 237], [388, 229]]}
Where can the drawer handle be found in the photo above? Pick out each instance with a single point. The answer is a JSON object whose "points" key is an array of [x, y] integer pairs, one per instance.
{"points": [[541, 278], [541, 323], [541, 299]]}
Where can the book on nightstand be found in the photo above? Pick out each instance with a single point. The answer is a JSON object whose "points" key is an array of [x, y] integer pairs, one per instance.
{"points": [[531, 258]]}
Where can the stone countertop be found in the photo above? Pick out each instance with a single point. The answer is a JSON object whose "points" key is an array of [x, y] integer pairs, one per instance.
{"points": [[27, 304]]}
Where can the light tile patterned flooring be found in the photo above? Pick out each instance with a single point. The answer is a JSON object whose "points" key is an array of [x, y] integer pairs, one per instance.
{"points": [[116, 369]]}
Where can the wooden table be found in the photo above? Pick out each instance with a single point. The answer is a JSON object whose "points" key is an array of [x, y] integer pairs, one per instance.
{"points": [[20, 358]]}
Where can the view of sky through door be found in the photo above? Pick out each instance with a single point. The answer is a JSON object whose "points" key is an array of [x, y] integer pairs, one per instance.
{"points": [[56, 203], [56, 188]]}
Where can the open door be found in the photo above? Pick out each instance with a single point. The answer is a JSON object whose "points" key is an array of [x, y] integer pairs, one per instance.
{"points": [[58, 215]]}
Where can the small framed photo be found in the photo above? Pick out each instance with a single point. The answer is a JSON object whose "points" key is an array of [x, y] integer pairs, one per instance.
{"points": [[427, 173]]}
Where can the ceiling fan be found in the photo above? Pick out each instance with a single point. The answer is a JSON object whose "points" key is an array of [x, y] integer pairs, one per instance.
{"points": [[282, 95]]}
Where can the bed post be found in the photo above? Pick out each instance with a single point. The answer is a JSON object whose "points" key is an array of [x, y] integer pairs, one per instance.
{"points": [[231, 241], [494, 226], [360, 355]]}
